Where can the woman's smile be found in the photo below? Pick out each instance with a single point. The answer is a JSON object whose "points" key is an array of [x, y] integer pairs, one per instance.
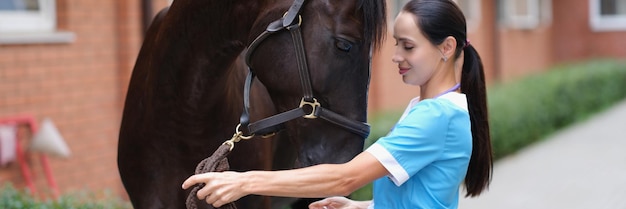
{"points": [[403, 70]]}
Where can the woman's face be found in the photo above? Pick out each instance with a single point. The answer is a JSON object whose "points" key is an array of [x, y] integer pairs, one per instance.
{"points": [[416, 57]]}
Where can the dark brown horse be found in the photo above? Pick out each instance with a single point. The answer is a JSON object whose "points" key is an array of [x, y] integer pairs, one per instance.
{"points": [[185, 97]]}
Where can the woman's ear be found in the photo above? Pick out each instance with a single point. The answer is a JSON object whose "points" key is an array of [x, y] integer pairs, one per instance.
{"points": [[448, 47]]}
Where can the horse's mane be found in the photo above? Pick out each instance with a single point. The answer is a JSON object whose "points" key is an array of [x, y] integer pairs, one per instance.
{"points": [[374, 21]]}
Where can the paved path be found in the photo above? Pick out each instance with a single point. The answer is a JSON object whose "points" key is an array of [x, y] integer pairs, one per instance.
{"points": [[582, 167]]}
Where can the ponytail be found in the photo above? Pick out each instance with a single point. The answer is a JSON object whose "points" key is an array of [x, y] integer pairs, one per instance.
{"points": [[473, 86]]}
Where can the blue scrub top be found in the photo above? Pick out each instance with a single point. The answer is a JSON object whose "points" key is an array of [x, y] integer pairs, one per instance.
{"points": [[427, 154]]}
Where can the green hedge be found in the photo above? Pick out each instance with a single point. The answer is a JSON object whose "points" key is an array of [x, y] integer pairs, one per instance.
{"points": [[527, 110], [11, 198]]}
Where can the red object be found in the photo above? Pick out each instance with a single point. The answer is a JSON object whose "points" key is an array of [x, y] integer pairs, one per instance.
{"points": [[30, 121]]}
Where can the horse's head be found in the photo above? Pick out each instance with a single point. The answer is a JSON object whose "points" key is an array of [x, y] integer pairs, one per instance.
{"points": [[337, 42]]}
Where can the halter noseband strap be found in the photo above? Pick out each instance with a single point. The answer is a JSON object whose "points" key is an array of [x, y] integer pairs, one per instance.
{"points": [[291, 21]]}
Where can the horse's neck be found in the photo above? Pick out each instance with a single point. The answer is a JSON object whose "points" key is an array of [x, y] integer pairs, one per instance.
{"points": [[218, 29], [205, 39], [188, 50], [196, 50], [215, 32]]}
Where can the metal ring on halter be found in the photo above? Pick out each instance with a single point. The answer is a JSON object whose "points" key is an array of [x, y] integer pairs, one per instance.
{"points": [[314, 106], [240, 133], [237, 136], [299, 18]]}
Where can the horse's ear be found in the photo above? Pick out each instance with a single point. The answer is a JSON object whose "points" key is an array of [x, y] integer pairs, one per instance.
{"points": [[48, 140]]}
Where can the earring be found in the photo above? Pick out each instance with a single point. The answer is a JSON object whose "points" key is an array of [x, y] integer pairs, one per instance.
{"points": [[445, 59]]}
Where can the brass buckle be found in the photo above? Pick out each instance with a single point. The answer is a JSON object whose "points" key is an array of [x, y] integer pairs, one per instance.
{"points": [[314, 106]]}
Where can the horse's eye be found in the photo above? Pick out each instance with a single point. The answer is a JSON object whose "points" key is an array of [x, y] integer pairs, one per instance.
{"points": [[343, 45]]}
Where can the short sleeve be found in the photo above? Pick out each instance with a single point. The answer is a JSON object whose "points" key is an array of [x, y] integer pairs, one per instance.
{"points": [[416, 141]]}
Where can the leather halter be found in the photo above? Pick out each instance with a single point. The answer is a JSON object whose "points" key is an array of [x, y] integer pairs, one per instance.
{"points": [[291, 21]]}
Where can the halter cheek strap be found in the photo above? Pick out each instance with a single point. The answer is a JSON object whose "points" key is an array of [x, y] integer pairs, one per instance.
{"points": [[308, 103]]}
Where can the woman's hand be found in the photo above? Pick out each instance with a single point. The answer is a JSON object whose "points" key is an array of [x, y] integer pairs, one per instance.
{"points": [[220, 187], [339, 203]]}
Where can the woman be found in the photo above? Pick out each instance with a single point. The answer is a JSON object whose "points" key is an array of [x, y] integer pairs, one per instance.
{"points": [[441, 141]]}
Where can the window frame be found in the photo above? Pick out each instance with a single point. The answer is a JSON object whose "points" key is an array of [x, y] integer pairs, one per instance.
{"points": [[530, 20], [33, 27], [473, 15], [599, 22], [43, 20]]}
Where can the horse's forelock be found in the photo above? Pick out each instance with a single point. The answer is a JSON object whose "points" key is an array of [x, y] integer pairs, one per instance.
{"points": [[374, 21]]}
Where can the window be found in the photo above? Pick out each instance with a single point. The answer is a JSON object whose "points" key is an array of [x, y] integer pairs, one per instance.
{"points": [[607, 15], [524, 14], [471, 10], [30, 21], [27, 15]]}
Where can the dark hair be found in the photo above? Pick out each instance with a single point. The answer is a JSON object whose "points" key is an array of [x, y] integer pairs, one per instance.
{"points": [[439, 19]]}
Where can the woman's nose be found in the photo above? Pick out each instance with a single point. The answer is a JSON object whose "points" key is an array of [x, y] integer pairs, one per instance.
{"points": [[396, 58]]}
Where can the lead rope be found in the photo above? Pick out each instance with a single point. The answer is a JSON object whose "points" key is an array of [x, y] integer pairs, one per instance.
{"points": [[217, 162], [214, 163]]}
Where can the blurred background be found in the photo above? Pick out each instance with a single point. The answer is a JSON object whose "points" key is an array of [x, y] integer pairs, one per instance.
{"points": [[69, 62]]}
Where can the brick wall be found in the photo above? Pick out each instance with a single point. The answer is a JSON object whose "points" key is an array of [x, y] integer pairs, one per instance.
{"points": [[80, 86]]}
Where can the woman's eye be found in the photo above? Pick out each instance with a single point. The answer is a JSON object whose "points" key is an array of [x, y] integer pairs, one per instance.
{"points": [[343, 45], [405, 46]]}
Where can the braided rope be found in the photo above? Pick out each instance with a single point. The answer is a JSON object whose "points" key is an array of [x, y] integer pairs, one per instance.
{"points": [[214, 163]]}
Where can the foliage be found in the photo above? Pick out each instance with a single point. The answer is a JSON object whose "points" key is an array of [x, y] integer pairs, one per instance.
{"points": [[527, 110], [381, 123], [530, 109], [11, 198]]}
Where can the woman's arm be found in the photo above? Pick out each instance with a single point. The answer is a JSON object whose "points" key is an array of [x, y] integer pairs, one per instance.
{"points": [[315, 181]]}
